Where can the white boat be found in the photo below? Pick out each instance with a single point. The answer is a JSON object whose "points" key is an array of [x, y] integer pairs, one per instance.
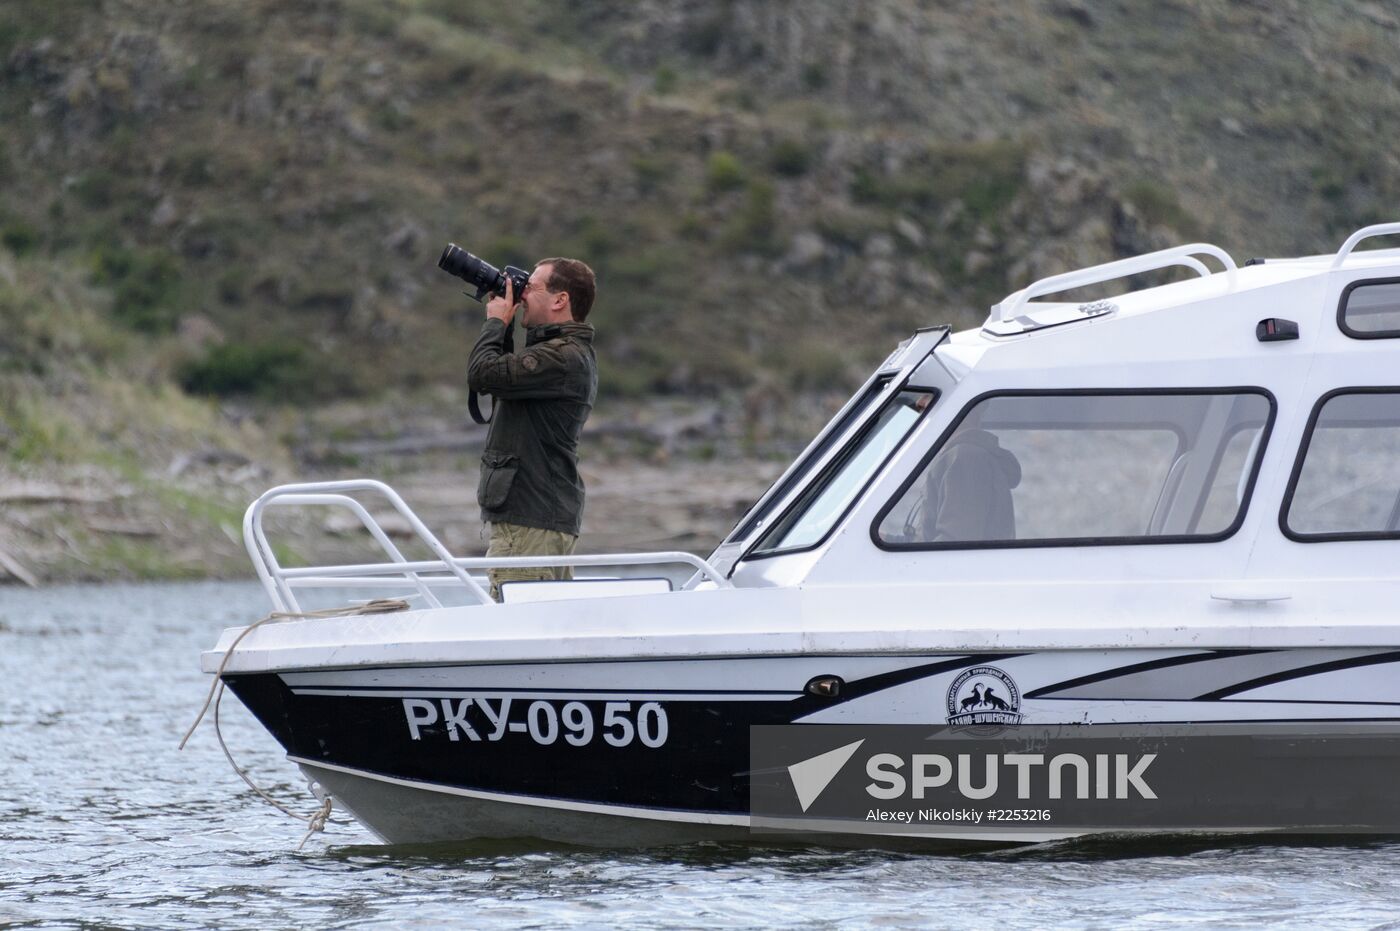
{"points": [[1180, 505]]}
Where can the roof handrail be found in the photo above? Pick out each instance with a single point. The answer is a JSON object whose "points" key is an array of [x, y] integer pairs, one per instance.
{"points": [[1366, 232], [1183, 256]]}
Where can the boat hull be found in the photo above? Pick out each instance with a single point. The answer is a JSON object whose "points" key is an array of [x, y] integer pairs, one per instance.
{"points": [[646, 752]]}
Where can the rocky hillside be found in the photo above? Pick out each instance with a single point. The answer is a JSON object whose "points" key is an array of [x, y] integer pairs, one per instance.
{"points": [[244, 200]]}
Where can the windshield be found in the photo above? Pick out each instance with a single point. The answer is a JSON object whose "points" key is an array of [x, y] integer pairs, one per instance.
{"points": [[828, 497], [799, 472]]}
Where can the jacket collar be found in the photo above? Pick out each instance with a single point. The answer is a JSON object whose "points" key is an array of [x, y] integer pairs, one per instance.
{"points": [[579, 331]]}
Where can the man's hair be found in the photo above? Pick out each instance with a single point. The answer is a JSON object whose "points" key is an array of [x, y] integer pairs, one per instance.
{"points": [[577, 279]]}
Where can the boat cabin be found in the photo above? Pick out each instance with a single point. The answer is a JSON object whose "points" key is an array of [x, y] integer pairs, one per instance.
{"points": [[1239, 429]]}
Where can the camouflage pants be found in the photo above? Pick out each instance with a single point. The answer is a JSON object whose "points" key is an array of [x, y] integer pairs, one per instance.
{"points": [[515, 540]]}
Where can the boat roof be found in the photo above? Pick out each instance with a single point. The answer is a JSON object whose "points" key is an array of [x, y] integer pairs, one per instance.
{"points": [[1241, 289]]}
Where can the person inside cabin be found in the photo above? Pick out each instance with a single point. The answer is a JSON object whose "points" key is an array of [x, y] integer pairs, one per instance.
{"points": [[530, 492], [967, 488]]}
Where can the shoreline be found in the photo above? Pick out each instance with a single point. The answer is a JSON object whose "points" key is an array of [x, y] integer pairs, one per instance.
{"points": [[660, 475]]}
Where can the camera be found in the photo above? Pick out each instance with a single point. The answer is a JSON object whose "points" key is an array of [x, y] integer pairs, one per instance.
{"points": [[481, 274]]}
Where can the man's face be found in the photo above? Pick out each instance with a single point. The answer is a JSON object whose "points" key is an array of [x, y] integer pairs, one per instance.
{"points": [[540, 305]]}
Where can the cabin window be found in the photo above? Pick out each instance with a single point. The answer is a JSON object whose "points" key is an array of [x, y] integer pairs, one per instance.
{"points": [[1371, 309], [831, 493], [1084, 468], [1346, 484]]}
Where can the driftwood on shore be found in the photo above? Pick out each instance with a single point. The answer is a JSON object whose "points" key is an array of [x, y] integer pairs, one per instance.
{"points": [[125, 528], [466, 440], [23, 492], [662, 433]]}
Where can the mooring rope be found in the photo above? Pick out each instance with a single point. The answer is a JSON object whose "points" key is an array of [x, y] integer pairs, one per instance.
{"points": [[316, 821]]}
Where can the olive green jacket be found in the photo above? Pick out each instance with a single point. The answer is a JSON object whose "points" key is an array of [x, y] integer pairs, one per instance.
{"points": [[542, 395]]}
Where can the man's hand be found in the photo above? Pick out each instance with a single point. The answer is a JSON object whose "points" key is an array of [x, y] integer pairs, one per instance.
{"points": [[502, 308]]}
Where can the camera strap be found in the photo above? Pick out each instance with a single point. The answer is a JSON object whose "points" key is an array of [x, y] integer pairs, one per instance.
{"points": [[474, 408]]}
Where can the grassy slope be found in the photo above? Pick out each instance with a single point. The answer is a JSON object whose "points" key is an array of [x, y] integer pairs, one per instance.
{"points": [[249, 197]]}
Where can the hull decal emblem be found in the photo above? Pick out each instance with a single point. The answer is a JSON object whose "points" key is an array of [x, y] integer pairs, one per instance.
{"points": [[984, 695]]}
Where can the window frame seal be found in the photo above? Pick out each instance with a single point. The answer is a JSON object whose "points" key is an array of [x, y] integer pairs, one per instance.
{"points": [[1342, 310], [1296, 474]]}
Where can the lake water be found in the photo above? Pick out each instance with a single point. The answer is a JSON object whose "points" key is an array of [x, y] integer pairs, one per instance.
{"points": [[104, 822]]}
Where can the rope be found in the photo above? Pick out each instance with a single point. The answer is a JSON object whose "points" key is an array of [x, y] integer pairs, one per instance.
{"points": [[316, 821]]}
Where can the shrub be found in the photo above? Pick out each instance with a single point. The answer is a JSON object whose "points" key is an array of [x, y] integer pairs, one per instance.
{"points": [[233, 284], [790, 158], [752, 227], [641, 270], [145, 287], [666, 80], [508, 249], [866, 186], [271, 370], [650, 172], [815, 365], [1156, 203], [194, 166], [985, 176], [631, 377], [594, 241], [19, 237], [705, 37], [692, 226], [723, 172], [96, 188]]}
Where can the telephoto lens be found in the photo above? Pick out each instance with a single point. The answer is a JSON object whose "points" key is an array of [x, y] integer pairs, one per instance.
{"points": [[480, 274]]}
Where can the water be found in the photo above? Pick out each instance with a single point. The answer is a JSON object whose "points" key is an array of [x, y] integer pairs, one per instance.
{"points": [[104, 822]]}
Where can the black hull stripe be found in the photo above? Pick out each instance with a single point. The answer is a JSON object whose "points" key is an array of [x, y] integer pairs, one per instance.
{"points": [[1147, 666], [794, 711], [859, 688], [1352, 663]]}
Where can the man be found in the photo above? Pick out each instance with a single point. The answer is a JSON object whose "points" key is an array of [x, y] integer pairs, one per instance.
{"points": [[968, 489], [530, 492]]}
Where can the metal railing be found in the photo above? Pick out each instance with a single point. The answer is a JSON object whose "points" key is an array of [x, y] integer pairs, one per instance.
{"points": [[1367, 232], [446, 571], [1183, 256]]}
